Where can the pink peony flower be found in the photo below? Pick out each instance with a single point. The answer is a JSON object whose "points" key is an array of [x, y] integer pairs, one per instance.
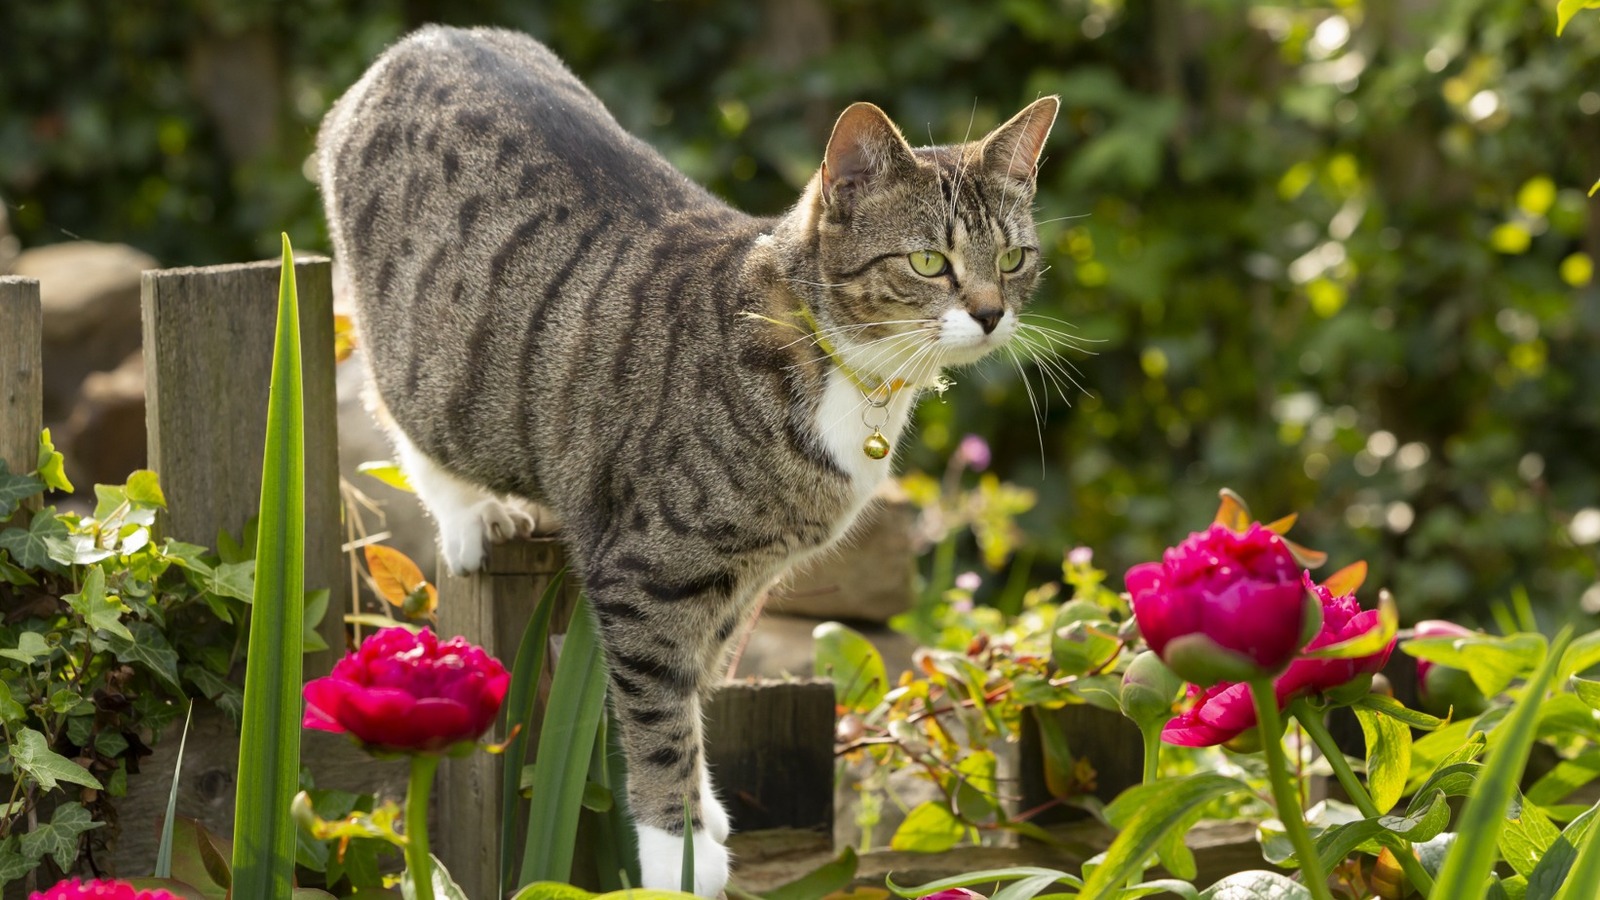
{"points": [[953, 894], [1222, 605], [105, 889], [409, 693], [1224, 711]]}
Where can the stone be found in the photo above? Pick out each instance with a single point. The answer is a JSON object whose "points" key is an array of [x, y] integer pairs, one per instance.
{"points": [[781, 645], [868, 577], [90, 294], [104, 435]]}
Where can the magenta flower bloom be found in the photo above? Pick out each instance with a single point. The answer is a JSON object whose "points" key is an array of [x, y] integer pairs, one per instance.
{"points": [[104, 889], [1222, 605], [953, 894], [409, 693], [1224, 711]]}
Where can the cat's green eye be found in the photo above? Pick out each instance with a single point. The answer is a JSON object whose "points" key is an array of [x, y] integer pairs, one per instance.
{"points": [[928, 263], [1011, 260]]}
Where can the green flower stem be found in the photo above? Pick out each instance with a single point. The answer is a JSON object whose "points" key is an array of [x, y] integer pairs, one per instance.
{"points": [[418, 860], [1270, 724], [1152, 769], [1311, 720]]}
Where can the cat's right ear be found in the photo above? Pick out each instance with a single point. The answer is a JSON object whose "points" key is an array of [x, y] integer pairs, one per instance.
{"points": [[865, 149]]}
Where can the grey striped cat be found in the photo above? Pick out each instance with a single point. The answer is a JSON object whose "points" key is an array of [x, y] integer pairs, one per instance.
{"points": [[553, 313]]}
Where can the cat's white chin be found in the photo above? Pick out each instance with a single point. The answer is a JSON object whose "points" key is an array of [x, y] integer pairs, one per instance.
{"points": [[661, 861]]}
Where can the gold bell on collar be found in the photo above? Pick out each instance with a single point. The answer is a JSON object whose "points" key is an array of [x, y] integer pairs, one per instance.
{"points": [[876, 445]]}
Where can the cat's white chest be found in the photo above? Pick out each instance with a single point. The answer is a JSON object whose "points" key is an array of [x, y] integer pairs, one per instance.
{"points": [[843, 430]]}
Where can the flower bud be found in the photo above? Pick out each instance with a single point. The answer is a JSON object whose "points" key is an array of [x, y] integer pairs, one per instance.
{"points": [[1149, 689]]}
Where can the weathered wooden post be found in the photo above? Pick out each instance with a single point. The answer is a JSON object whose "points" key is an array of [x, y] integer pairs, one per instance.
{"points": [[208, 365], [1107, 741], [21, 385], [769, 745], [490, 608]]}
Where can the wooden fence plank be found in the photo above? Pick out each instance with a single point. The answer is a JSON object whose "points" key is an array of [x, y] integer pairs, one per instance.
{"points": [[21, 387], [769, 745], [492, 609], [208, 336]]}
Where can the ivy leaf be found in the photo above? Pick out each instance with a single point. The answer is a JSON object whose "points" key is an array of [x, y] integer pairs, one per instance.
{"points": [[147, 648], [32, 754], [11, 574], [52, 468], [14, 489], [11, 712], [1388, 756], [929, 828], [144, 487], [59, 839], [30, 547], [236, 580], [14, 863], [102, 612], [30, 646]]}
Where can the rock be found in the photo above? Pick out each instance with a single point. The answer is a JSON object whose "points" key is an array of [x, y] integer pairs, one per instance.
{"points": [[104, 435], [781, 645], [90, 294], [869, 577]]}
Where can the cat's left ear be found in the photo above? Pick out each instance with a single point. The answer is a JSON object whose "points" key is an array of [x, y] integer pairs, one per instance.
{"points": [[1013, 149]]}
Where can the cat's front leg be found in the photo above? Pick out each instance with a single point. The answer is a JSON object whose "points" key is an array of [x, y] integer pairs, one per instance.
{"points": [[468, 517]]}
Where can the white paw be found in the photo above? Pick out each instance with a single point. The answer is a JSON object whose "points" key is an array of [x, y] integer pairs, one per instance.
{"points": [[661, 862], [467, 534], [711, 811]]}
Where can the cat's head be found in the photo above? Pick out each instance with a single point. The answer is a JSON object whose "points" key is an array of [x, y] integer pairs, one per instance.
{"points": [[924, 256]]}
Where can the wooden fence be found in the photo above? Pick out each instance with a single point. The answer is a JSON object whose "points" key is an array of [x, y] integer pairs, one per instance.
{"points": [[207, 349]]}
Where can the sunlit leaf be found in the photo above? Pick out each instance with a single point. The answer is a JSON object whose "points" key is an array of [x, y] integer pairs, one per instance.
{"points": [[386, 472], [930, 827], [1565, 10], [344, 337], [1388, 756], [1347, 580], [394, 574], [51, 468], [1281, 526], [854, 664], [1232, 512]]}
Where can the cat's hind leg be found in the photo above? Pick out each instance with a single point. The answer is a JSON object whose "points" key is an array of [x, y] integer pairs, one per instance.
{"points": [[469, 517]]}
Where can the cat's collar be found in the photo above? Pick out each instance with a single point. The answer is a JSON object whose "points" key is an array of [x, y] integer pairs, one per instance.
{"points": [[877, 391]]}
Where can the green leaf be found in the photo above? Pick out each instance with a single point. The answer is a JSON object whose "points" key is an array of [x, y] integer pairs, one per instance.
{"points": [[1256, 885], [1388, 756], [856, 667], [1526, 838], [11, 712], [200, 859], [100, 611], [1492, 662], [146, 646], [144, 487], [518, 714], [1583, 655], [31, 753], [51, 468], [13, 862], [30, 646], [1394, 709], [386, 472], [986, 876], [1585, 870], [571, 722], [269, 742], [236, 580], [59, 840], [163, 867], [1149, 812], [1568, 775], [444, 887], [316, 606], [30, 547], [973, 784], [1339, 841], [1472, 858], [930, 827], [1566, 9], [1587, 691], [15, 488]]}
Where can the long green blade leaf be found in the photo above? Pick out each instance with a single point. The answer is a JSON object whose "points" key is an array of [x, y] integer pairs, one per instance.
{"points": [[1585, 871], [520, 699], [577, 700], [269, 743], [164, 849], [1147, 814], [616, 848], [1466, 869]]}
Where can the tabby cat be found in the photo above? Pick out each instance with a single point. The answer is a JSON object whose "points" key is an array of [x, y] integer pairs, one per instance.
{"points": [[553, 313]]}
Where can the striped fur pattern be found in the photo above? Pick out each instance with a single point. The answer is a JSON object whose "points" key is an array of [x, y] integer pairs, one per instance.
{"points": [[552, 313]]}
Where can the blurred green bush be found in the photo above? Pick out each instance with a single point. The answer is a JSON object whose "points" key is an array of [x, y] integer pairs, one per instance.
{"points": [[1336, 256]]}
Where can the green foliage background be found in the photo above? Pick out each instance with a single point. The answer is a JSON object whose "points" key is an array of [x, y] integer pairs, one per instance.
{"points": [[1336, 255]]}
